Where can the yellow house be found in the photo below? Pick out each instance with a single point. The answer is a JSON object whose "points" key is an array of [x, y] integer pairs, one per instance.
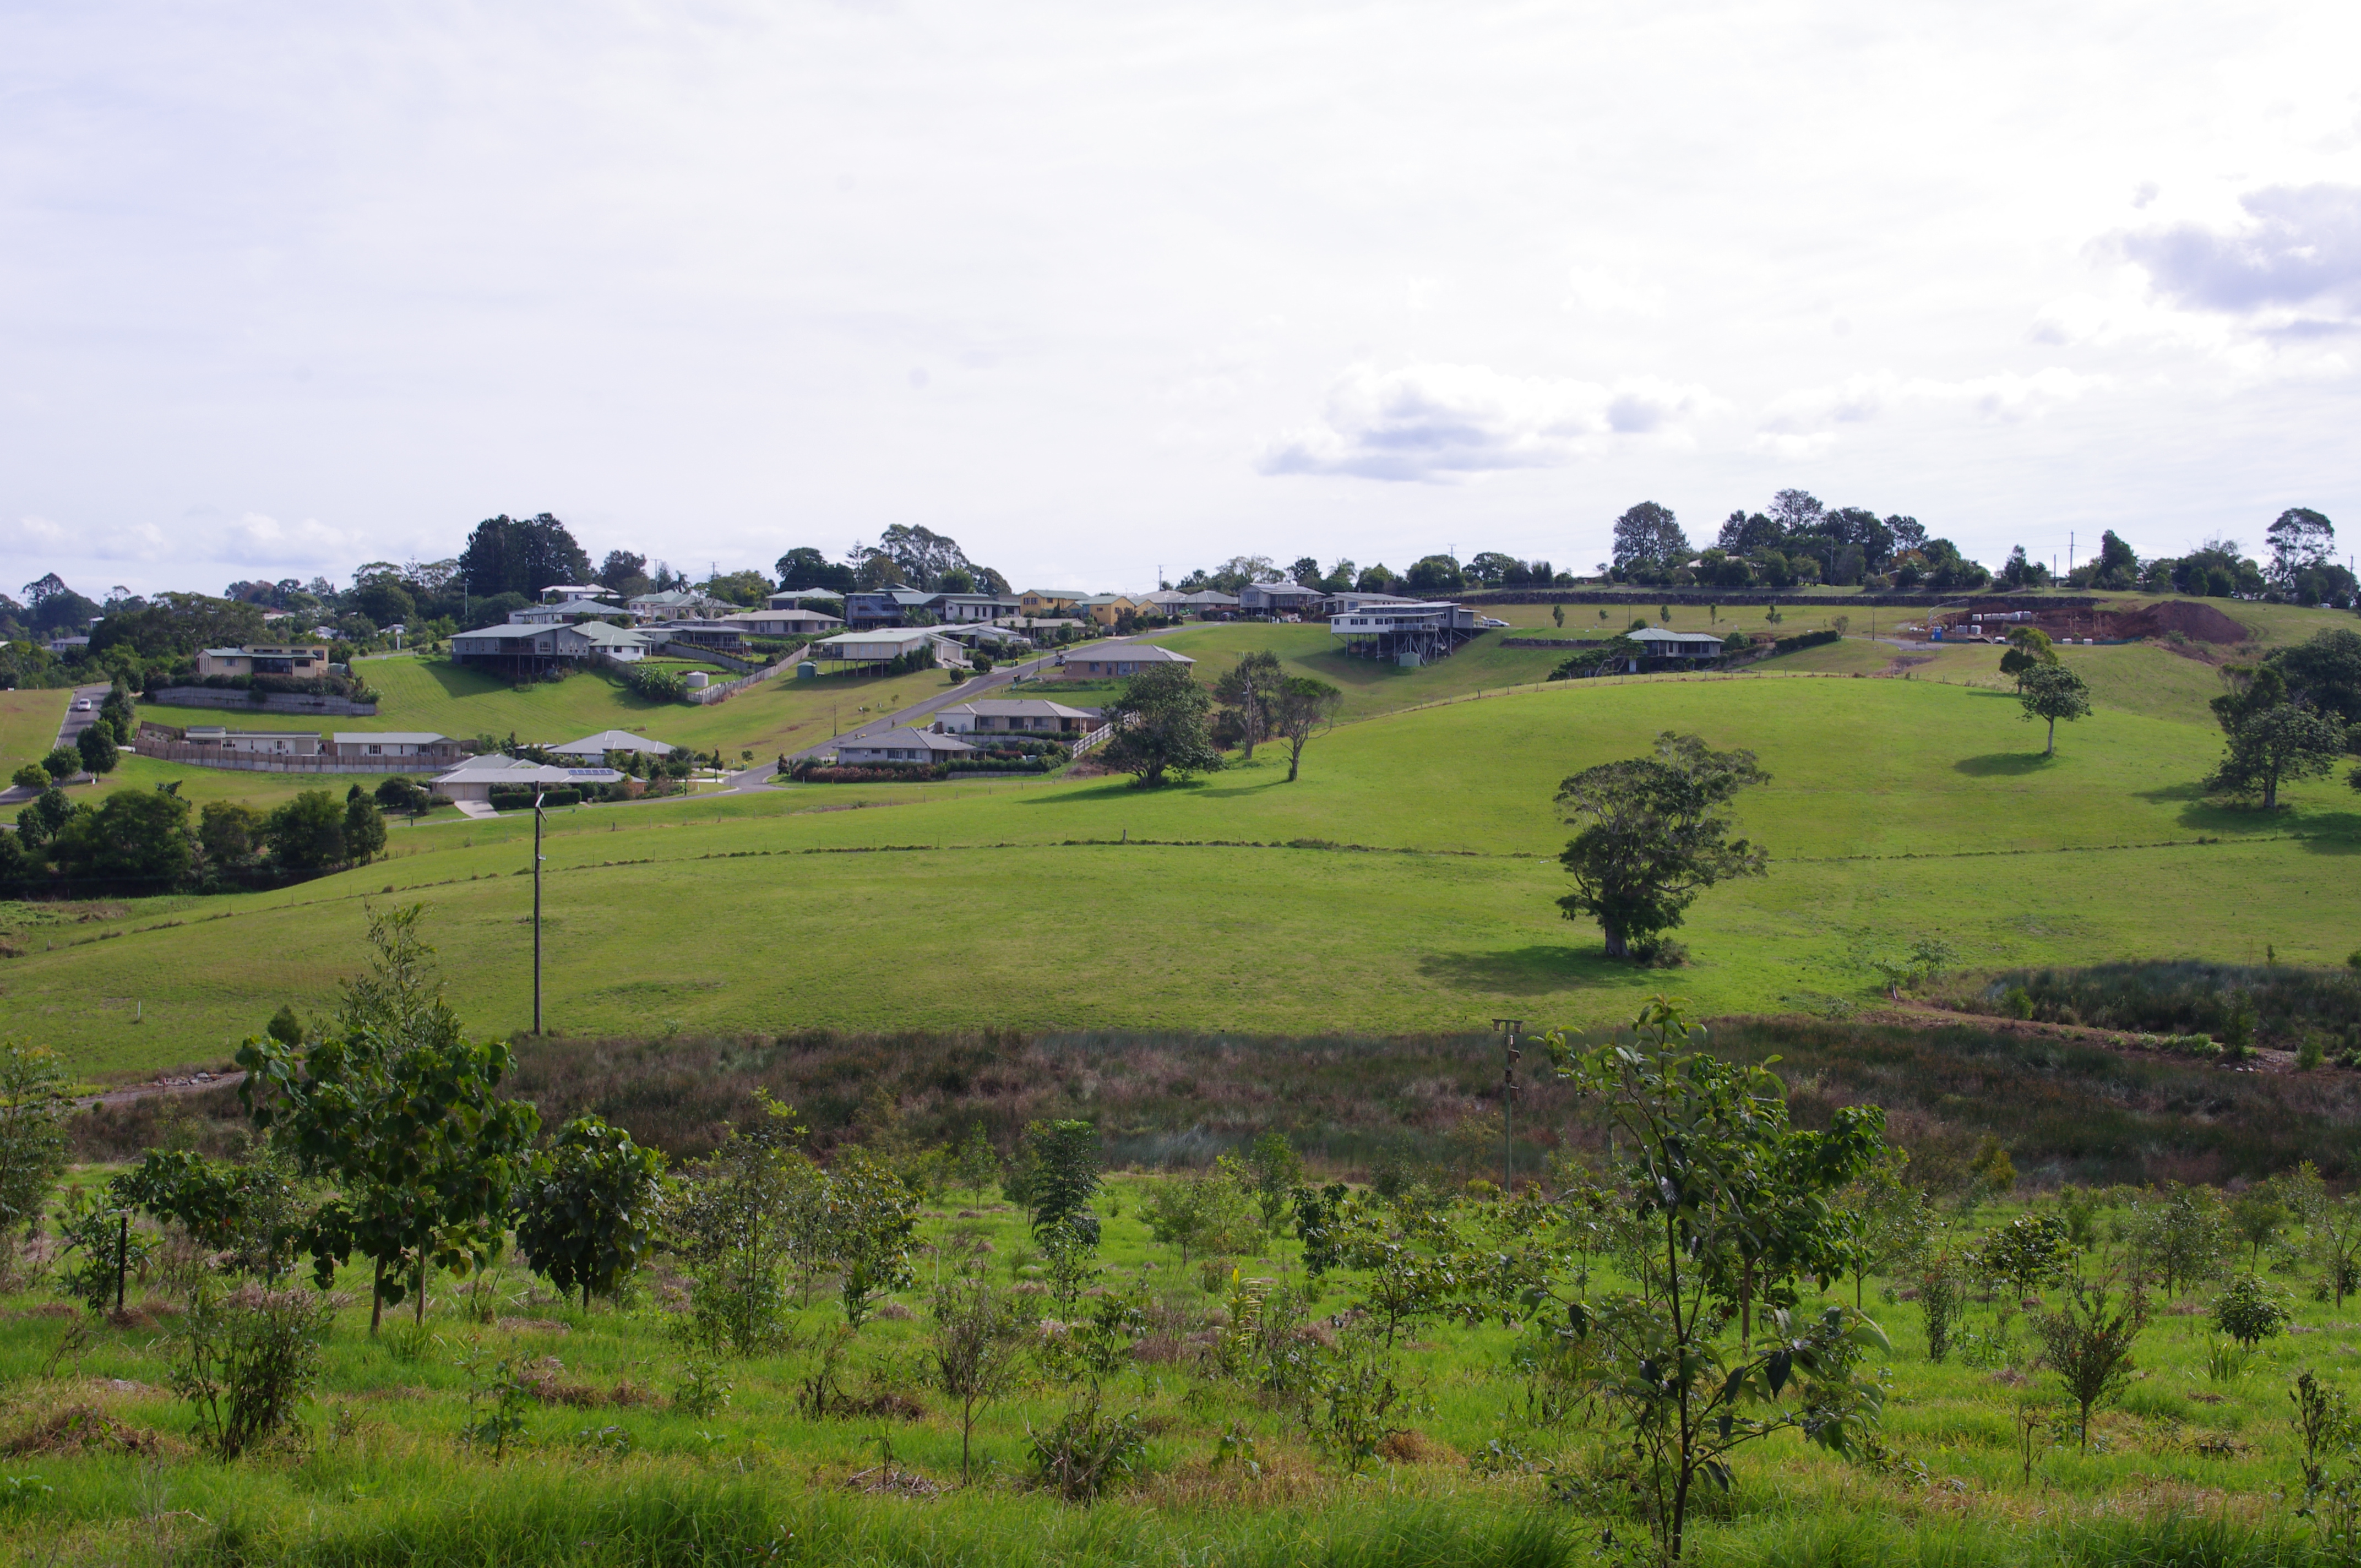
{"points": [[1108, 608], [1038, 602]]}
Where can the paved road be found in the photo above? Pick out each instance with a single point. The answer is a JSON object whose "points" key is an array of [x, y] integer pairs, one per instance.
{"points": [[761, 774], [75, 723]]}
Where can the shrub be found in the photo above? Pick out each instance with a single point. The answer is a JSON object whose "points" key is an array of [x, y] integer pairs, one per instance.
{"points": [[2089, 1346], [245, 1360], [32, 776], [514, 797], [1803, 640], [62, 764], [2251, 1311], [1088, 1452]]}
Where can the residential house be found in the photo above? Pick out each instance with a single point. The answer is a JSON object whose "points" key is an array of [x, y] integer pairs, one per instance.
{"points": [[1351, 600], [881, 643], [561, 593], [400, 750], [721, 636], [626, 644], [1212, 604], [1100, 662], [1018, 715], [1411, 632], [514, 644], [475, 779], [1165, 602], [679, 604], [597, 746], [784, 621], [560, 614], [303, 659], [1659, 643], [899, 607], [1279, 599], [253, 742], [904, 746], [795, 599], [1036, 602], [1105, 609]]}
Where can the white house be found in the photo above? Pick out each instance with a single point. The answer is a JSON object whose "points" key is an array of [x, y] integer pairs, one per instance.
{"points": [[677, 604], [559, 614], [408, 745], [1690, 647], [475, 778], [785, 620], [880, 643]]}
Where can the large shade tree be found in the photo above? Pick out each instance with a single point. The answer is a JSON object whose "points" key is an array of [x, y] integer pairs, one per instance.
{"points": [[1655, 832], [1159, 727]]}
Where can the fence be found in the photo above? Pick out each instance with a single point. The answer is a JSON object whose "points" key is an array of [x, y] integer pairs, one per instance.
{"points": [[706, 696], [1095, 739], [214, 757]]}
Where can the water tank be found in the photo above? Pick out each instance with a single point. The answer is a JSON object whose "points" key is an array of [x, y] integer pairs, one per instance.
{"points": [[698, 680], [807, 671]]}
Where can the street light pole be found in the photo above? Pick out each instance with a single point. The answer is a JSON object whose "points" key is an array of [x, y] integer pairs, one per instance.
{"points": [[536, 912], [1509, 1029]]}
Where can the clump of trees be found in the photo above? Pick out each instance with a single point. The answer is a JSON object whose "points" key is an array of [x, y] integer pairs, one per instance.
{"points": [[1161, 732]]}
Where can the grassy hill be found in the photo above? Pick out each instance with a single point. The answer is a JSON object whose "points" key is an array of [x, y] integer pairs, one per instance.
{"points": [[1898, 810], [29, 726]]}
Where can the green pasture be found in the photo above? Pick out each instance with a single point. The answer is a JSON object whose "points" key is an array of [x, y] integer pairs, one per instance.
{"points": [[29, 726], [2187, 1468], [1405, 881]]}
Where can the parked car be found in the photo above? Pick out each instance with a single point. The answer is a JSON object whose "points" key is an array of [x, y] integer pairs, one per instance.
{"points": [[82, 705]]}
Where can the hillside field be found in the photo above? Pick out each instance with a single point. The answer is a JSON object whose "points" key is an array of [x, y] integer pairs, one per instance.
{"points": [[1405, 882]]}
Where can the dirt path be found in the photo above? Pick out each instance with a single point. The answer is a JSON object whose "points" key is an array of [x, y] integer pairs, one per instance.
{"points": [[193, 1084], [1916, 1015]]}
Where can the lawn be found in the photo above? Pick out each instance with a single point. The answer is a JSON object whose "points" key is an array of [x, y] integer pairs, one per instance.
{"points": [[29, 726], [1418, 893]]}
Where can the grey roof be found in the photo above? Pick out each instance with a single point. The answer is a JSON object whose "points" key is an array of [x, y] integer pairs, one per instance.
{"points": [[511, 631], [599, 632], [903, 739], [493, 767], [1210, 596], [1128, 653], [1284, 590], [1026, 708], [386, 737], [796, 595], [608, 740], [1660, 634]]}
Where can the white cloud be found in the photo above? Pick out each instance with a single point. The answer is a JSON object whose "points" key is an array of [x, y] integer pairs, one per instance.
{"points": [[2295, 246], [251, 540], [1439, 422], [1804, 422]]}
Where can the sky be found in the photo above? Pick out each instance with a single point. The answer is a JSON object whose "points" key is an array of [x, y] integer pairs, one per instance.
{"points": [[1101, 290]]}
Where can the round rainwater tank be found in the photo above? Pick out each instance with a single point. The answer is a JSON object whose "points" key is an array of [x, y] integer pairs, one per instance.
{"points": [[698, 680]]}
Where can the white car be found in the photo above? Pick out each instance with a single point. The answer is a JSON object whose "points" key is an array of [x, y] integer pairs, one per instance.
{"points": [[82, 705]]}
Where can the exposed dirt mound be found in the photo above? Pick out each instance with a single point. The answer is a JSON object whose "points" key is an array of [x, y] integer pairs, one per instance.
{"points": [[2199, 622], [77, 1428]]}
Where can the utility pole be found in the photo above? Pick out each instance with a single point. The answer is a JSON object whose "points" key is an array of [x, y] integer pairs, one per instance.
{"points": [[2069, 552], [536, 912], [1509, 1028]]}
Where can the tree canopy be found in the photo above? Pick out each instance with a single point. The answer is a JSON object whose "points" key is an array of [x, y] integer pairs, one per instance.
{"points": [[1160, 727], [2052, 692], [521, 555], [1655, 832]]}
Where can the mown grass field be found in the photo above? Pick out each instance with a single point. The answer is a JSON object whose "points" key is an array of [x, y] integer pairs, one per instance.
{"points": [[1406, 881], [610, 1469], [29, 726]]}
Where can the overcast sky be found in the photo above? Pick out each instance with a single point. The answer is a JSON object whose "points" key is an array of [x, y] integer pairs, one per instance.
{"points": [[1099, 288]]}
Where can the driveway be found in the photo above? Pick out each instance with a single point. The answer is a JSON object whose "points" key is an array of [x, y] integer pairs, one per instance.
{"points": [[761, 774]]}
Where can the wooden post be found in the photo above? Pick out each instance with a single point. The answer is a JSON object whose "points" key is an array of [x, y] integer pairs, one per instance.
{"points": [[536, 913], [122, 1258]]}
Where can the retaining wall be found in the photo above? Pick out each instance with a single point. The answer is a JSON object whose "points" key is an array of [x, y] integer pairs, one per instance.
{"points": [[272, 702]]}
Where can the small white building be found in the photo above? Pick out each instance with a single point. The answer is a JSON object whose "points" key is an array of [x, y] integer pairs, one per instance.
{"points": [[398, 747], [1688, 647], [879, 644]]}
